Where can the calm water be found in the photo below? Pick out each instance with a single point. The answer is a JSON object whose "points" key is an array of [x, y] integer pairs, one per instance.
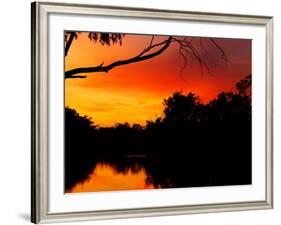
{"points": [[105, 177], [137, 172]]}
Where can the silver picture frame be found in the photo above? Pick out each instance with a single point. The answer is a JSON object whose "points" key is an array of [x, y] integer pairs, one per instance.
{"points": [[39, 153]]}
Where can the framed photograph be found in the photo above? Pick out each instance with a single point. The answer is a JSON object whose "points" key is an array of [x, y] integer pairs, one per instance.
{"points": [[146, 112]]}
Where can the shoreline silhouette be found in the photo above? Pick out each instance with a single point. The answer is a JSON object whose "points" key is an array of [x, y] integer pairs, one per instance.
{"points": [[191, 145]]}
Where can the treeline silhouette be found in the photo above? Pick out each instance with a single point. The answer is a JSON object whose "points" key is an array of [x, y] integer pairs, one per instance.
{"points": [[191, 145]]}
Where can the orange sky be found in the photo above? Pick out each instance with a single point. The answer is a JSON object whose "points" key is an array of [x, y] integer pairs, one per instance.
{"points": [[134, 93]]}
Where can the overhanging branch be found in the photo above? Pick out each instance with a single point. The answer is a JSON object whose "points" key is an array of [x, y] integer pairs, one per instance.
{"points": [[140, 57]]}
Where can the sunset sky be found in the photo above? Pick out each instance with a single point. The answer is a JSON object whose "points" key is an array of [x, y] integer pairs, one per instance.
{"points": [[134, 93]]}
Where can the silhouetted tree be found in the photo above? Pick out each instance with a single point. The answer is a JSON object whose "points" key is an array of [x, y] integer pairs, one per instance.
{"points": [[79, 145], [244, 86], [78, 123], [180, 108]]}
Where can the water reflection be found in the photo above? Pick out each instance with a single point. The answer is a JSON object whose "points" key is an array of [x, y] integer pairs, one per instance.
{"points": [[105, 177]]}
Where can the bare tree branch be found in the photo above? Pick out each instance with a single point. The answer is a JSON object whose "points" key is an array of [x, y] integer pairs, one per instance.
{"points": [[223, 56], [203, 47], [187, 49], [69, 42], [140, 57], [79, 76], [151, 41]]}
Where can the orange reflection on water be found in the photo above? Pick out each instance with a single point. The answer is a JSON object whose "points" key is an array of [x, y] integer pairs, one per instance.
{"points": [[105, 178]]}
